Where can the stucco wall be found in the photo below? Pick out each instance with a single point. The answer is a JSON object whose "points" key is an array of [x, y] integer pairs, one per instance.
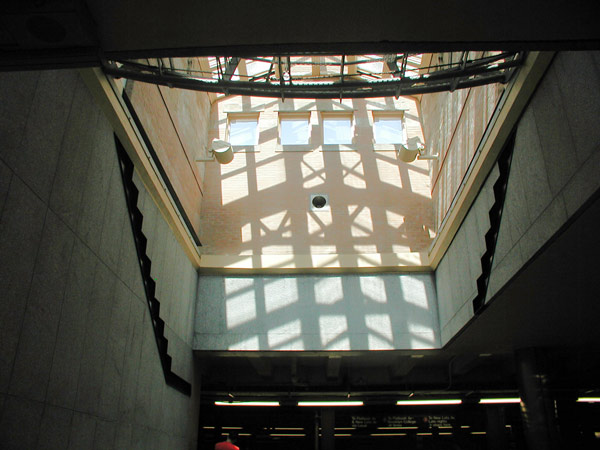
{"points": [[316, 312], [259, 203]]}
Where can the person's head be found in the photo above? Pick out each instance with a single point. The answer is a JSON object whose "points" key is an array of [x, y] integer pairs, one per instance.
{"points": [[232, 437]]}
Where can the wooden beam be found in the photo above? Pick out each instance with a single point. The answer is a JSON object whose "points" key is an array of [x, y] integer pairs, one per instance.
{"points": [[351, 67], [316, 69]]}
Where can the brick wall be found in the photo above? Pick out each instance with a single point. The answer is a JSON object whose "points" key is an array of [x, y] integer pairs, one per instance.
{"points": [[176, 122], [260, 203], [453, 125]]}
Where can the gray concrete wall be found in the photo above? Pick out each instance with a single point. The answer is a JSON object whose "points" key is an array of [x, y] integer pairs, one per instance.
{"points": [[317, 312], [457, 273], [79, 366], [555, 169], [556, 161]]}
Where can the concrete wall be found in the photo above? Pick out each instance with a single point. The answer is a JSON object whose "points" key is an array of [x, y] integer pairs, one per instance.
{"points": [[317, 312], [177, 123], [79, 366], [556, 164], [453, 124], [259, 203], [456, 275], [555, 169]]}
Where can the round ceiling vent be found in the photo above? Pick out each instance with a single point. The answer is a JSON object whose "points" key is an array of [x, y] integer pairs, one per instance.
{"points": [[319, 202]]}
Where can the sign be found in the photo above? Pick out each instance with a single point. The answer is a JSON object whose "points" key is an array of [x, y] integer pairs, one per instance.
{"points": [[402, 421]]}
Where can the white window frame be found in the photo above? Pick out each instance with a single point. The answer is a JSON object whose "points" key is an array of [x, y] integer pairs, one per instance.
{"points": [[378, 115], [243, 117], [329, 115], [304, 116]]}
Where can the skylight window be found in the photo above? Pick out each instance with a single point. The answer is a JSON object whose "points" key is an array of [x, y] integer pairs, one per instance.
{"points": [[294, 129], [337, 130], [388, 129], [243, 131]]}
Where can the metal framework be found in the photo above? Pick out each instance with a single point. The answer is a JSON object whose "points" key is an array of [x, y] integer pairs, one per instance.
{"points": [[324, 76]]}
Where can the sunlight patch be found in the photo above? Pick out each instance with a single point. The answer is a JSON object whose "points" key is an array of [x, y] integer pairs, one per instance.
{"points": [[362, 223], [247, 344], [373, 288], [240, 309], [380, 324], [238, 285], [270, 174], [415, 292], [328, 290], [234, 187], [377, 343], [331, 327], [283, 334], [279, 293]]}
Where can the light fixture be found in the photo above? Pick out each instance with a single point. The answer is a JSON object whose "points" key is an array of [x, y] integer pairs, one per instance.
{"points": [[287, 434], [387, 434], [491, 401], [448, 401], [221, 151], [246, 403], [588, 400], [413, 149], [333, 403]]}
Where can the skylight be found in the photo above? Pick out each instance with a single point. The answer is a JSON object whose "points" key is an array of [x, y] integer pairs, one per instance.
{"points": [[326, 76]]}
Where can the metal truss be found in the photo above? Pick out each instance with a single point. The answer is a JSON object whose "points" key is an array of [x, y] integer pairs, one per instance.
{"points": [[324, 76]]}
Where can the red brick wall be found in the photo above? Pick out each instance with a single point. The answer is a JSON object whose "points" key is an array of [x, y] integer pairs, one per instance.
{"points": [[260, 203], [177, 122], [453, 124]]}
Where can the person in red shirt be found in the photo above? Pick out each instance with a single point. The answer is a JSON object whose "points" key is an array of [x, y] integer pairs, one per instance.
{"points": [[226, 445]]}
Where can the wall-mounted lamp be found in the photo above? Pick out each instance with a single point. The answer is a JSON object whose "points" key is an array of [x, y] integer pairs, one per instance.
{"points": [[413, 150], [221, 151]]}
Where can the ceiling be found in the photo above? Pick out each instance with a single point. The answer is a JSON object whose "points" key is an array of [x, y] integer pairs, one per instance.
{"points": [[52, 33]]}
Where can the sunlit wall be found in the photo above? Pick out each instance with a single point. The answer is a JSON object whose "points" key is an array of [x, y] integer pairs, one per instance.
{"points": [[260, 203], [317, 312]]}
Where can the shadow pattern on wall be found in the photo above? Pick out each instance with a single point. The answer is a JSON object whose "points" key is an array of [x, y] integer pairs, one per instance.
{"points": [[158, 325], [323, 312]]}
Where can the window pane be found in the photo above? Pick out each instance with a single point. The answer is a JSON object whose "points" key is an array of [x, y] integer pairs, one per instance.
{"points": [[388, 130], [243, 132], [337, 131], [294, 131]]}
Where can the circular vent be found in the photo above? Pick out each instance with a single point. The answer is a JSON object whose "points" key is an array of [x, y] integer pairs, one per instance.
{"points": [[319, 202]]}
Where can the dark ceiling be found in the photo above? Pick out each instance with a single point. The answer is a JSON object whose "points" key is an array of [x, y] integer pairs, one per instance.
{"points": [[36, 33]]}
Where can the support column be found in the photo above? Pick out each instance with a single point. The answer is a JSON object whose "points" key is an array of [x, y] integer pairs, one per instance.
{"points": [[496, 429], [537, 408], [568, 421], [327, 429]]}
